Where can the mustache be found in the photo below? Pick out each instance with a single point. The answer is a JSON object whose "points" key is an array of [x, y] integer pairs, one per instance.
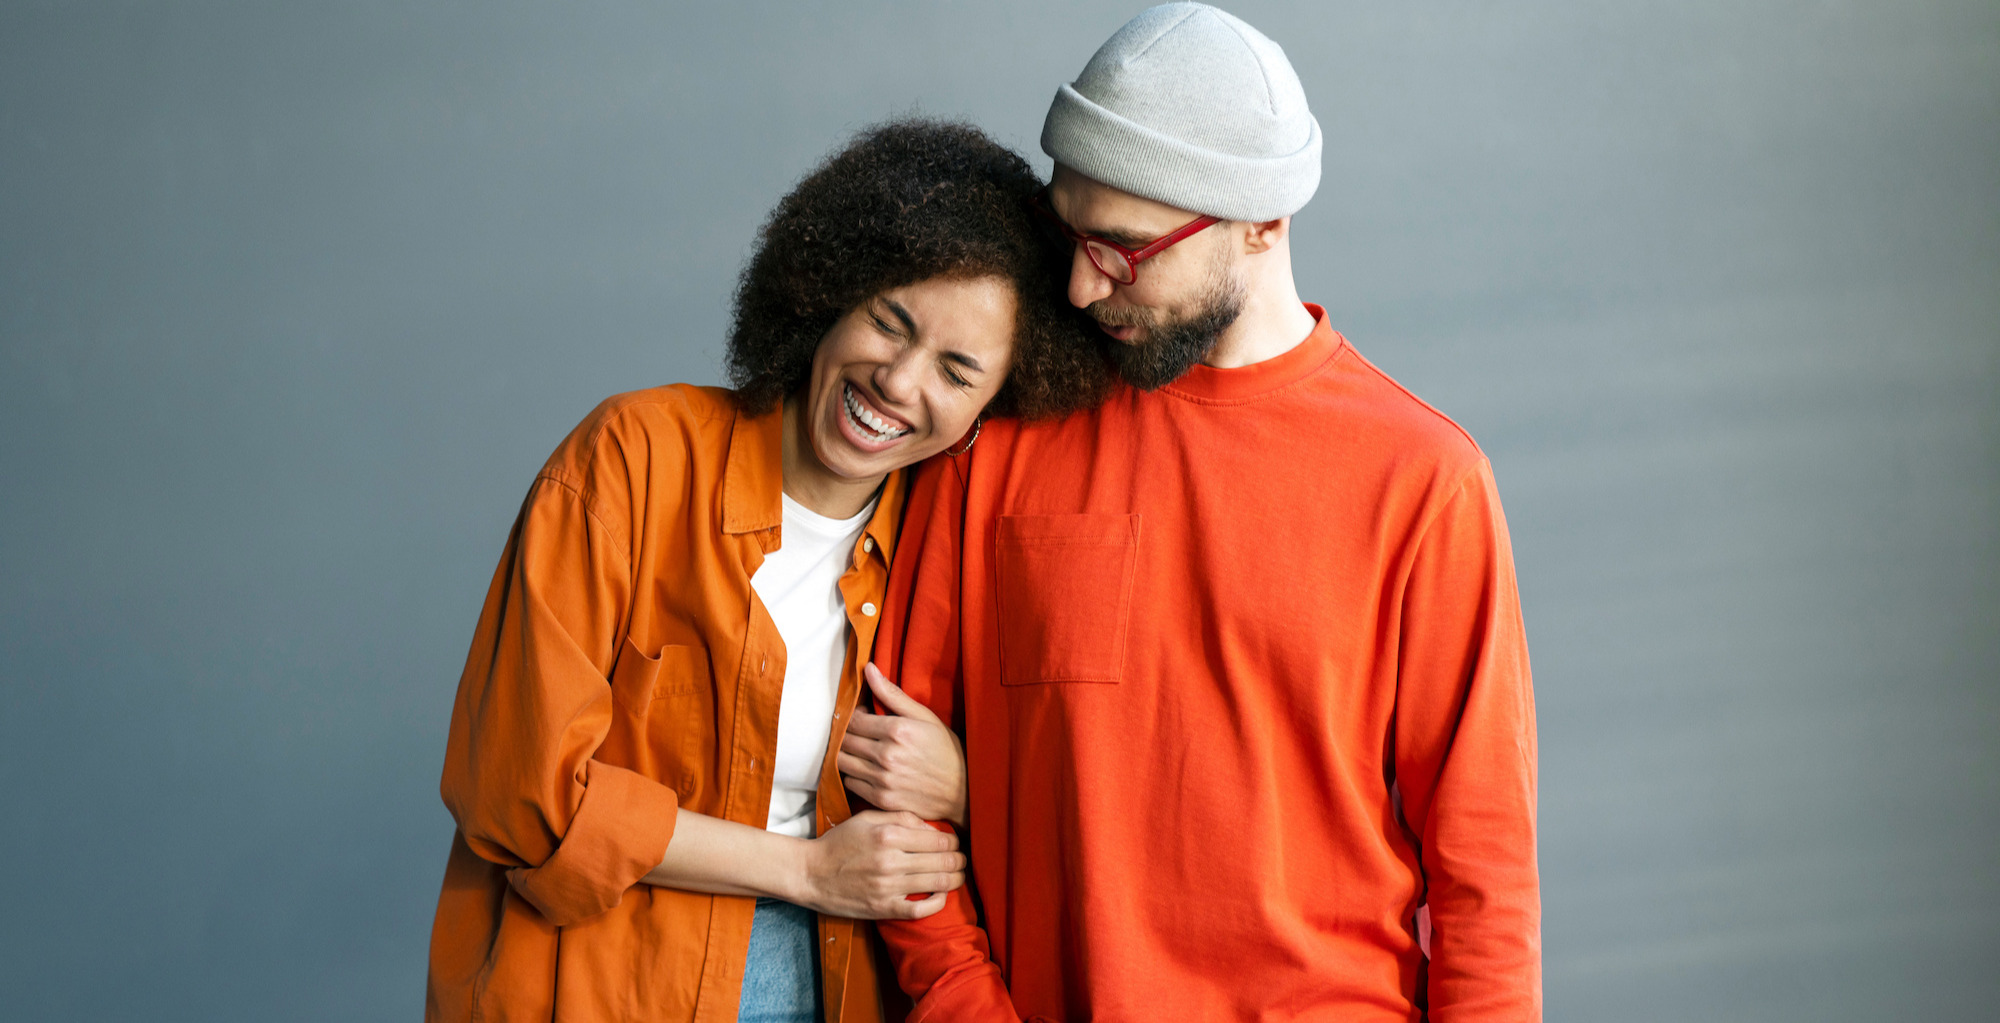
{"points": [[1113, 316]]}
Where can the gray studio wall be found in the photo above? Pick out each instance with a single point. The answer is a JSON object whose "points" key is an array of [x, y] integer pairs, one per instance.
{"points": [[295, 297]]}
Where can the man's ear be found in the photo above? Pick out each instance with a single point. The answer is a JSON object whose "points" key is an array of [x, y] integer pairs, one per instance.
{"points": [[1259, 236]]}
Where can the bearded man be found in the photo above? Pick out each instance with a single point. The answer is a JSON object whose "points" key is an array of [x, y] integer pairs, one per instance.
{"points": [[1237, 658]]}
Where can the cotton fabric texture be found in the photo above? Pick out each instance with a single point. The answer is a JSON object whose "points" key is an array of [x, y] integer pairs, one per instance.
{"points": [[623, 668], [1189, 106], [799, 585], [1241, 674]]}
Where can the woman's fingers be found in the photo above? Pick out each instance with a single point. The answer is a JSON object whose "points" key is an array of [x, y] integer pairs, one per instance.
{"points": [[874, 728], [855, 769], [922, 839], [934, 864], [945, 882], [892, 697], [907, 910]]}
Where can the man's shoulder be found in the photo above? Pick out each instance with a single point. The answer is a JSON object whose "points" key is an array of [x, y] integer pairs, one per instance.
{"points": [[1374, 406]]}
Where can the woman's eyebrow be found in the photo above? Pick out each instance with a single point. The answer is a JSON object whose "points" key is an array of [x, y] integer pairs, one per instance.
{"points": [[910, 326], [909, 322]]}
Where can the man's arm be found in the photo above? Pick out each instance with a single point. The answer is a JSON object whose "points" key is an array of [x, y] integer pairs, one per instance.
{"points": [[1465, 760], [942, 961]]}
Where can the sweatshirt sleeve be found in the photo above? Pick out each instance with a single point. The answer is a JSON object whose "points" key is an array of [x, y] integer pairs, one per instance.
{"points": [[1465, 760], [534, 705], [942, 961]]}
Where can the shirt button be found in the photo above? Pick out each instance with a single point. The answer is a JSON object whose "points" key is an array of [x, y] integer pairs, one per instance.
{"points": [[868, 543], [868, 609]]}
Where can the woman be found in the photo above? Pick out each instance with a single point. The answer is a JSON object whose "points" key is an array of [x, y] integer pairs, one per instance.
{"points": [[641, 759]]}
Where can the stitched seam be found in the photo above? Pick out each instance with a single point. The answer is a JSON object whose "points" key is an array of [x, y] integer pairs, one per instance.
{"points": [[1155, 41], [590, 509], [1427, 406], [1339, 350], [1270, 92]]}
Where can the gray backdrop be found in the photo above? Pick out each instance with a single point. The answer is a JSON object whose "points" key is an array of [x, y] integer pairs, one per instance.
{"points": [[294, 298]]}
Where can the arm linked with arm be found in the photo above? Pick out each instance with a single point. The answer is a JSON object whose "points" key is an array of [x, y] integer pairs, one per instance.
{"points": [[1465, 759], [943, 961]]}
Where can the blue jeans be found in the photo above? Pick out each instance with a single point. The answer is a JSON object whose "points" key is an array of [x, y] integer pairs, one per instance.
{"points": [[781, 976]]}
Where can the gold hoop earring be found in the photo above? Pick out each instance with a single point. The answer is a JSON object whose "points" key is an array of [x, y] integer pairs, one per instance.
{"points": [[969, 441]]}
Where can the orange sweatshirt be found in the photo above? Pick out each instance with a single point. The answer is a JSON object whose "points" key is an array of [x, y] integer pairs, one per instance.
{"points": [[1240, 669]]}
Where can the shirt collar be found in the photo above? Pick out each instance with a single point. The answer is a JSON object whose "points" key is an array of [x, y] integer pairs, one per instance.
{"points": [[753, 484], [884, 525]]}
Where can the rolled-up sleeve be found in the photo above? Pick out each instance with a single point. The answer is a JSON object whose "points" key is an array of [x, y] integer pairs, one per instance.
{"points": [[535, 704]]}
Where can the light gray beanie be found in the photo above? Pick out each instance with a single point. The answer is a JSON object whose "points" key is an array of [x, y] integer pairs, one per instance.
{"points": [[1189, 106]]}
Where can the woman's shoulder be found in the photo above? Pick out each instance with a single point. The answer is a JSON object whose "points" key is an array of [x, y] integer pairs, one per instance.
{"points": [[627, 434]]}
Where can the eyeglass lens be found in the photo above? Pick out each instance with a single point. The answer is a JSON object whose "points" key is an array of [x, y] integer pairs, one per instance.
{"points": [[1112, 262]]}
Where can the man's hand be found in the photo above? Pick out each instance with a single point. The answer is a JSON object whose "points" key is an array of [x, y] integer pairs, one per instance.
{"points": [[866, 866], [906, 759]]}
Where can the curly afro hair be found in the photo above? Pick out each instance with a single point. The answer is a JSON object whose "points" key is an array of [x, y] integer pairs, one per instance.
{"points": [[905, 202]]}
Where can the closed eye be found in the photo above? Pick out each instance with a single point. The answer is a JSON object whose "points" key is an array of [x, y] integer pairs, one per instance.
{"points": [[902, 315], [883, 326]]}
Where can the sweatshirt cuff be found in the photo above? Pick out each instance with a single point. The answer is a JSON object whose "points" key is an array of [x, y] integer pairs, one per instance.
{"points": [[976, 996], [619, 834]]}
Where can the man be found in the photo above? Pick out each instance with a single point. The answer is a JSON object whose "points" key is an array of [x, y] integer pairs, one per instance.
{"points": [[1237, 658]]}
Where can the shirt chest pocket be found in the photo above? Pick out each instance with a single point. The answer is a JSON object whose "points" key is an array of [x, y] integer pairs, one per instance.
{"points": [[637, 678], [1064, 596], [662, 722]]}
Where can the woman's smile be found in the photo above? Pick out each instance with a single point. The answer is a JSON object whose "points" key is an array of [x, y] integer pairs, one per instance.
{"points": [[867, 425]]}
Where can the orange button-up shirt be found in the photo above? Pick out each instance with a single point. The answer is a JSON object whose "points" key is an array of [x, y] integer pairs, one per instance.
{"points": [[623, 668]]}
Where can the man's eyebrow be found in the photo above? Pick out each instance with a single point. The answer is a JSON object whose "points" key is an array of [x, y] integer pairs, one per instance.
{"points": [[1112, 234], [1125, 238], [909, 322]]}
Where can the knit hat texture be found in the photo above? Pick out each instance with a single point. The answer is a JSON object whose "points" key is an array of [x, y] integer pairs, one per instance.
{"points": [[1189, 106]]}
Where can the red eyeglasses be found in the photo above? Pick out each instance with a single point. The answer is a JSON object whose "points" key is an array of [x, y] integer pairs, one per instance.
{"points": [[1110, 258]]}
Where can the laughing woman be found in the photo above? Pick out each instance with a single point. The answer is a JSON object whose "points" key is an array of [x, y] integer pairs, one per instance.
{"points": [[650, 817]]}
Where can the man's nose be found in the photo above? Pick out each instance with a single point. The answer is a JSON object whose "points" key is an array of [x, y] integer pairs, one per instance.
{"points": [[1087, 283]]}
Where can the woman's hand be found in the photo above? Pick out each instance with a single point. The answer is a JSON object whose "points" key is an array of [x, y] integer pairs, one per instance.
{"points": [[866, 866], [905, 760]]}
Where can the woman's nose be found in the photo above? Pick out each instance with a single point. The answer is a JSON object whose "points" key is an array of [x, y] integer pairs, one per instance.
{"points": [[897, 379]]}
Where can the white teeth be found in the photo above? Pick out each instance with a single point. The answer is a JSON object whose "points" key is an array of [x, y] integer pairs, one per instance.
{"points": [[872, 426]]}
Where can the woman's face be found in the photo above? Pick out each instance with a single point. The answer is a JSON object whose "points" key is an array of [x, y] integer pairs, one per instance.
{"points": [[903, 375]]}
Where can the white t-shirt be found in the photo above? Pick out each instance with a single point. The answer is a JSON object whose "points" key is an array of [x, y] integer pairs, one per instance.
{"points": [[799, 584]]}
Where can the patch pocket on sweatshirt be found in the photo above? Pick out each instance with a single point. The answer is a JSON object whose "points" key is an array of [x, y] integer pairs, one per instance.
{"points": [[1064, 596]]}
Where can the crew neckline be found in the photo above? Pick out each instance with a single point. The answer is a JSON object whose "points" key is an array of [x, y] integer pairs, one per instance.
{"points": [[1244, 383]]}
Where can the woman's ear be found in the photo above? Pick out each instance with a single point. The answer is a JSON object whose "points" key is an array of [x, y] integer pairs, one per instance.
{"points": [[972, 436]]}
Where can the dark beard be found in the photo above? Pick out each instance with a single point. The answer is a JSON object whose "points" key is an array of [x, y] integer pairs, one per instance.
{"points": [[1172, 349]]}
